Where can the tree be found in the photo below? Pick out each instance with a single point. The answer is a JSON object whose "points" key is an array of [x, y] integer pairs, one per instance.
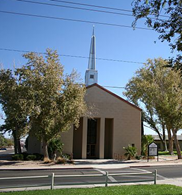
{"points": [[159, 91], [164, 16], [146, 140], [55, 147], [2, 141], [11, 95], [54, 101]]}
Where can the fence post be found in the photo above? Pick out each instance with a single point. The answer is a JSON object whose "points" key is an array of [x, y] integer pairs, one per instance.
{"points": [[52, 181], [155, 176], [106, 179]]}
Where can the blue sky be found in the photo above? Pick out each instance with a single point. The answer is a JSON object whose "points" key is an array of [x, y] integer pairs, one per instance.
{"points": [[73, 38]]}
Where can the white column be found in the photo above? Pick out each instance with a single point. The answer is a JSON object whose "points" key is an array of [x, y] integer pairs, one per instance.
{"points": [[102, 137], [84, 138]]}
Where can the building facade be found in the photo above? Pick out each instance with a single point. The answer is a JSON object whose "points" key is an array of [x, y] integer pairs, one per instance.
{"points": [[115, 124]]}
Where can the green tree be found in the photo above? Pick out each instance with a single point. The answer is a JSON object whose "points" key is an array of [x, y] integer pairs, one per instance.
{"points": [[55, 146], [164, 16], [54, 101], [11, 96], [159, 91], [146, 140], [2, 141]]}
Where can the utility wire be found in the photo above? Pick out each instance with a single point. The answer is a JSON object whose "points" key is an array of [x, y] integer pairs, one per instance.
{"points": [[86, 9], [80, 8], [92, 5], [72, 20], [72, 56], [98, 6], [117, 87]]}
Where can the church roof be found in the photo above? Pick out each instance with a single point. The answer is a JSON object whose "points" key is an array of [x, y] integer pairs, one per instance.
{"points": [[113, 94]]}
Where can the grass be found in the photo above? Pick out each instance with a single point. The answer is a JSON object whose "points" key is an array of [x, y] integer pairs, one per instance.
{"points": [[166, 153], [116, 190]]}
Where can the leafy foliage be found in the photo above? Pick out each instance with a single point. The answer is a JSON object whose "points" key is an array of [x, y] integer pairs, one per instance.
{"points": [[158, 90], [131, 151], [55, 146], [54, 101], [146, 140], [164, 16], [11, 98], [31, 157], [17, 157]]}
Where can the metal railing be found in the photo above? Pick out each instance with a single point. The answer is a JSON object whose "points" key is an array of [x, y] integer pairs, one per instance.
{"points": [[152, 177]]}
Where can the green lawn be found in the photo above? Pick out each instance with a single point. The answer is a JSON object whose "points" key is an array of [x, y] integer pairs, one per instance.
{"points": [[167, 153], [116, 190]]}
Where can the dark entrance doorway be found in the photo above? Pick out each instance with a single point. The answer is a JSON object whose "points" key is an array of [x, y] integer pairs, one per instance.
{"points": [[92, 138], [108, 142]]}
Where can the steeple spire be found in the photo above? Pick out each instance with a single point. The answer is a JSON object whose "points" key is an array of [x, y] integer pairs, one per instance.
{"points": [[91, 75], [91, 62]]}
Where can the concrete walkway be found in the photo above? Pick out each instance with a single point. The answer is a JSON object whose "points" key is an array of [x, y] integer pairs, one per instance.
{"points": [[90, 163]]}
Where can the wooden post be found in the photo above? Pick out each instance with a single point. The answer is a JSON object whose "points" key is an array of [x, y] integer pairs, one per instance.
{"points": [[106, 179], [155, 177], [52, 181]]}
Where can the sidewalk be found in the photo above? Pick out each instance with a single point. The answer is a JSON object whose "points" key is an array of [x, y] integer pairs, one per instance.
{"points": [[89, 163]]}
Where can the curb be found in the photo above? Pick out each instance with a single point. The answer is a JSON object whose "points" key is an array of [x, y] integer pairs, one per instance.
{"points": [[42, 169]]}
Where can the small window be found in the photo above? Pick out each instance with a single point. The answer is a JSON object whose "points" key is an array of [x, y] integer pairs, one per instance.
{"points": [[91, 76], [133, 145]]}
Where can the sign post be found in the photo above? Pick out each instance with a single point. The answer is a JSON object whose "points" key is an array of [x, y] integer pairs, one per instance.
{"points": [[153, 150]]}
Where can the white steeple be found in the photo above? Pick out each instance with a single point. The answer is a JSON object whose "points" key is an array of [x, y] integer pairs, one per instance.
{"points": [[91, 75]]}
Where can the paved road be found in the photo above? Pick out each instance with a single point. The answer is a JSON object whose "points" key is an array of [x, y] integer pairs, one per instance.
{"points": [[172, 171], [65, 181], [6, 154], [163, 171]]}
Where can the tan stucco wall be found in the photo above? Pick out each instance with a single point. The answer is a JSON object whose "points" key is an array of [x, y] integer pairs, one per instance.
{"points": [[67, 140], [126, 122], [127, 119]]}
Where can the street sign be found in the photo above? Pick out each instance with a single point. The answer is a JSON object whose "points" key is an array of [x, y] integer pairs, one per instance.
{"points": [[152, 150]]}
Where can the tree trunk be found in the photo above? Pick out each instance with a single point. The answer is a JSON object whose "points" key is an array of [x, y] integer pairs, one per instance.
{"points": [[15, 142], [170, 141], [161, 139], [19, 146], [177, 144], [164, 138], [45, 151]]}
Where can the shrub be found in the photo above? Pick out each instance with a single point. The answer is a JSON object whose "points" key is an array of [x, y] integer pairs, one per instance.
{"points": [[17, 157], [131, 151], [61, 160], [55, 146], [38, 156], [67, 156], [25, 154], [31, 157], [138, 157]]}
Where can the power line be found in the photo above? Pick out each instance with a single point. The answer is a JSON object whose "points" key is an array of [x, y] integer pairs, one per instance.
{"points": [[72, 20], [86, 9], [72, 56], [98, 6], [80, 8], [117, 87], [92, 5]]}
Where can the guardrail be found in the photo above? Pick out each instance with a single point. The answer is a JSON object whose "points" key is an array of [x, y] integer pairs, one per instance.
{"points": [[106, 176]]}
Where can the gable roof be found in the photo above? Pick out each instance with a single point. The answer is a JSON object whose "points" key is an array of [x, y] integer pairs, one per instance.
{"points": [[113, 94]]}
